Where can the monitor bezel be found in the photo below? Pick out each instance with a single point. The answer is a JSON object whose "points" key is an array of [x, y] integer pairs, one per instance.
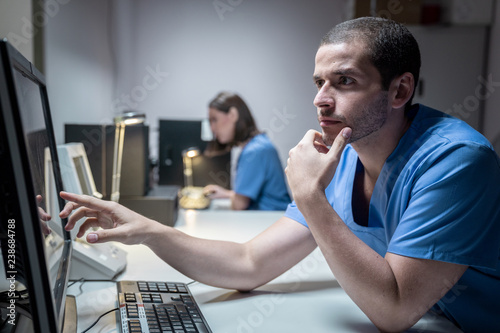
{"points": [[47, 308]]}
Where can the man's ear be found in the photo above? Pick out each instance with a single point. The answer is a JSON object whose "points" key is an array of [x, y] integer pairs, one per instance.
{"points": [[233, 113], [402, 89]]}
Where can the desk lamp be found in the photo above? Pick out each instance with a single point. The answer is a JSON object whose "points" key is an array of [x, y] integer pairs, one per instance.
{"points": [[191, 197], [126, 119], [187, 160]]}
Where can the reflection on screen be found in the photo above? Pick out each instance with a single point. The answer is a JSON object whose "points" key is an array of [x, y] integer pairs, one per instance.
{"points": [[82, 175], [32, 116]]}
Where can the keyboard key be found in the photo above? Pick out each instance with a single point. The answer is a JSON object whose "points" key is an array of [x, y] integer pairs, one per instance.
{"points": [[134, 326], [181, 309], [202, 328]]}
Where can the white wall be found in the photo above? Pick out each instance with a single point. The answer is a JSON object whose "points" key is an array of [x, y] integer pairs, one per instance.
{"points": [[79, 70], [169, 58], [15, 24], [452, 61], [264, 50]]}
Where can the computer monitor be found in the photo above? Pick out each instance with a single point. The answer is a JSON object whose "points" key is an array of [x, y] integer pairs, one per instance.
{"points": [[177, 135], [36, 261]]}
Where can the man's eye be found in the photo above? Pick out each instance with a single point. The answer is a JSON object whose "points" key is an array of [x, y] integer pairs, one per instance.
{"points": [[346, 80], [319, 83]]}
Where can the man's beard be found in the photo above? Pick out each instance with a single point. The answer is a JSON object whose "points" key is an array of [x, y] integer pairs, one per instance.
{"points": [[371, 118]]}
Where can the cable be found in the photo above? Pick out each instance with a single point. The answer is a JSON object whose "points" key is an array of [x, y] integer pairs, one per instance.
{"points": [[82, 280], [20, 308], [19, 294], [97, 320], [92, 280]]}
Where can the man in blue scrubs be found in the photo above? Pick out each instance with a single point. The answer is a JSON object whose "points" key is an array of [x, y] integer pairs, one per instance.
{"points": [[402, 200]]}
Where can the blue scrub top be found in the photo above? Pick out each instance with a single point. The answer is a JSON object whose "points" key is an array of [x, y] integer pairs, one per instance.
{"points": [[437, 197], [260, 176]]}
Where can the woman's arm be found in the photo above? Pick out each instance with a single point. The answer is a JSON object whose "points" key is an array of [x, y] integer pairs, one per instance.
{"points": [[238, 201]]}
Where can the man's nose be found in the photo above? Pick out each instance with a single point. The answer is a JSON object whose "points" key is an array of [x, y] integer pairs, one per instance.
{"points": [[323, 98]]}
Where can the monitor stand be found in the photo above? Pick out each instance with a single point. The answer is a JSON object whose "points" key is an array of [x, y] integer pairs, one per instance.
{"points": [[70, 315]]}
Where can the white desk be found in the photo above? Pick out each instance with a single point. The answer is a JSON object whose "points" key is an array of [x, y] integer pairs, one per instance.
{"points": [[305, 299]]}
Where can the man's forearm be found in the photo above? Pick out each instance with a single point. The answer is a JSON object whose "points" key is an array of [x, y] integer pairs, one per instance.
{"points": [[217, 263], [366, 276], [232, 265]]}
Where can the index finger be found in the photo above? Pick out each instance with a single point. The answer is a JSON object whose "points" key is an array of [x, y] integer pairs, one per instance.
{"points": [[83, 200], [340, 141], [317, 140], [311, 136]]}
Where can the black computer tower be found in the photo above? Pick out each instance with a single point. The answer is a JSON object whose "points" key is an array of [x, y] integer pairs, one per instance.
{"points": [[98, 141]]}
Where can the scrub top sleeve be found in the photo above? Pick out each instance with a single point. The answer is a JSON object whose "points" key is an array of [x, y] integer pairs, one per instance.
{"points": [[453, 213], [293, 213], [251, 173]]}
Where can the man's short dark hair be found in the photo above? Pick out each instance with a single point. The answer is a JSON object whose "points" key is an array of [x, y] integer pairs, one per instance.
{"points": [[391, 47]]}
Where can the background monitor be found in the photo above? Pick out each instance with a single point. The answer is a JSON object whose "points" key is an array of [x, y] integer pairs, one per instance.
{"points": [[76, 176], [178, 135], [35, 260], [75, 169]]}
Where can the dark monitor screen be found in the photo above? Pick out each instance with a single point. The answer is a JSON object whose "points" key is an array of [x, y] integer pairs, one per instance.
{"points": [[35, 258], [178, 135]]}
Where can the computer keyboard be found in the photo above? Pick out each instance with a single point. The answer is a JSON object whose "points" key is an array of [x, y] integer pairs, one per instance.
{"points": [[159, 307]]}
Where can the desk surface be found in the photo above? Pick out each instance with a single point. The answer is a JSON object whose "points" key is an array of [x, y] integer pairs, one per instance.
{"points": [[306, 298]]}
